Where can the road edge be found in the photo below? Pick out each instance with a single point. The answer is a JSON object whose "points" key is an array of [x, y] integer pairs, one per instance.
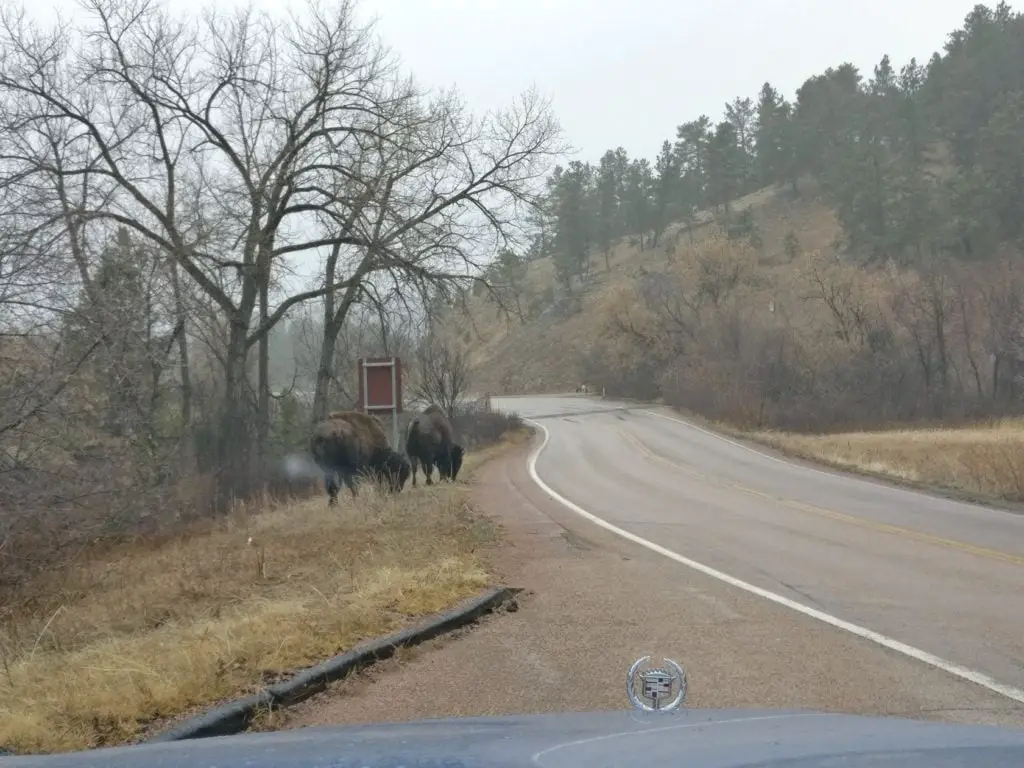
{"points": [[236, 716]]}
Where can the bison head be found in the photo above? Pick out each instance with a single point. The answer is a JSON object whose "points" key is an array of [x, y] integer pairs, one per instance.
{"points": [[448, 464], [391, 468]]}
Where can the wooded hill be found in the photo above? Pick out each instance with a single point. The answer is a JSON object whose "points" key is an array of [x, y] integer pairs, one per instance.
{"points": [[847, 257]]}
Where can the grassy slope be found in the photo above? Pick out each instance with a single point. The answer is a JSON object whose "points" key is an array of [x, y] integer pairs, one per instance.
{"points": [[148, 630], [547, 354], [981, 462]]}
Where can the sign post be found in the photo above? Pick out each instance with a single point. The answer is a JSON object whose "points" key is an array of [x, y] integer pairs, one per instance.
{"points": [[380, 389]]}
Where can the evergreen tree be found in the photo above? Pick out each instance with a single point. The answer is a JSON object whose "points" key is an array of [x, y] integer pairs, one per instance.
{"points": [[917, 161]]}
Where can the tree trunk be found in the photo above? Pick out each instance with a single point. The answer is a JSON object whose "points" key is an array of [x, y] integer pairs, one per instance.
{"points": [[187, 448], [334, 320], [263, 382], [234, 450]]}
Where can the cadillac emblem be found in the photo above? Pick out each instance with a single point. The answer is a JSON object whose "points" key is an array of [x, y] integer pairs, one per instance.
{"points": [[656, 685]]}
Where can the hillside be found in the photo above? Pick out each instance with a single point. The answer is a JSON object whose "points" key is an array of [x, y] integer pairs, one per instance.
{"points": [[785, 333], [558, 347]]}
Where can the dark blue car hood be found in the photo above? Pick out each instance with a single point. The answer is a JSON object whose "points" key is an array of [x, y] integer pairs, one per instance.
{"points": [[690, 738]]}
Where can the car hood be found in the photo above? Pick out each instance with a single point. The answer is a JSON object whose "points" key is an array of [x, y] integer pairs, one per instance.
{"points": [[691, 738]]}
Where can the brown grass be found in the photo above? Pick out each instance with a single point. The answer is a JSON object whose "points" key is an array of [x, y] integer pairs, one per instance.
{"points": [[145, 631], [986, 461]]}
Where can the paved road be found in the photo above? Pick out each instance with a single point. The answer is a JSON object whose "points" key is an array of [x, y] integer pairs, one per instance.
{"points": [[942, 576]]}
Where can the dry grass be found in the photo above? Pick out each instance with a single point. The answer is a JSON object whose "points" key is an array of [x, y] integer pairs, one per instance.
{"points": [[146, 631], [983, 460]]}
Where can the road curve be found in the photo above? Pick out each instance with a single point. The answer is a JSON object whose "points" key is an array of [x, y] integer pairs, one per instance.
{"points": [[942, 576]]}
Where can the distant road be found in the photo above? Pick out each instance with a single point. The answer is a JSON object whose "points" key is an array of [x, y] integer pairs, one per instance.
{"points": [[944, 577]]}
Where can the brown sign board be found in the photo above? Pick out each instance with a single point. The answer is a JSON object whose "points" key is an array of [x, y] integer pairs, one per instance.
{"points": [[380, 384]]}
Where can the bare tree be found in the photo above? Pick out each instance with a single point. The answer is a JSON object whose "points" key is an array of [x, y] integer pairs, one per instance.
{"points": [[437, 191], [442, 373], [1003, 299], [37, 291], [376, 325], [924, 307], [209, 139], [82, 363]]}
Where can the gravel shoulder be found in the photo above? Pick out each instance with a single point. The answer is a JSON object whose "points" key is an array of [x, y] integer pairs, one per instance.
{"points": [[594, 603]]}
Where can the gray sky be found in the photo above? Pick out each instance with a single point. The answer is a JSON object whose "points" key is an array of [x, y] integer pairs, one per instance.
{"points": [[626, 73]]}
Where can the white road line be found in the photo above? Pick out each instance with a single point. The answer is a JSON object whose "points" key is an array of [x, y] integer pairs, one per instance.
{"points": [[964, 673], [836, 475]]}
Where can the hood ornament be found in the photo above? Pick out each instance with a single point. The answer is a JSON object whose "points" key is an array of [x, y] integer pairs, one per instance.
{"points": [[656, 685]]}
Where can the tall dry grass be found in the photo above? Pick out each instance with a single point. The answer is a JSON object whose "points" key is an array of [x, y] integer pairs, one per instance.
{"points": [[143, 631], [985, 460]]}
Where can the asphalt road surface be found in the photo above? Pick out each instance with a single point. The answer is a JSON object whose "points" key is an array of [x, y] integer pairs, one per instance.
{"points": [[943, 577]]}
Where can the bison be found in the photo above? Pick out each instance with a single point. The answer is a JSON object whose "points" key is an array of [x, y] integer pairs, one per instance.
{"points": [[349, 444], [429, 442]]}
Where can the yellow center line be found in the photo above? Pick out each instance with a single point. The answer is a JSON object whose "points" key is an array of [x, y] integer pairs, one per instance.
{"points": [[895, 530]]}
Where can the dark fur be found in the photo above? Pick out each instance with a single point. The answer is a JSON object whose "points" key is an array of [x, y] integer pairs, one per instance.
{"points": [[350, 444], [458, 453], [430, 442]]}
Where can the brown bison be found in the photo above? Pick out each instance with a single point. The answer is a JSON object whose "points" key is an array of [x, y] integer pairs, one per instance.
{"points": [[430, 441], [350, 444]]}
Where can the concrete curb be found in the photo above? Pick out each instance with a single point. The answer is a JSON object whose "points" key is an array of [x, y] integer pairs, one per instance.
{"points": [[235, 716]]}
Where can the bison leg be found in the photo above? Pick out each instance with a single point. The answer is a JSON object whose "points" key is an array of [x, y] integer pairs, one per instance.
{"points": [[428, 470], [444, 465], [331, 483], [350, 482], [457, 454], [415, 465]]}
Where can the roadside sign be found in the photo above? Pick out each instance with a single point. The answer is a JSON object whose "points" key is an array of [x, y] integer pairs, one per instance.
{"points": [[380, 389]]}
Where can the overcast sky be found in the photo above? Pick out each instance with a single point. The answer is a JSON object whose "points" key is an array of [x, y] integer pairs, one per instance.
{"points": [[626, 73]]}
